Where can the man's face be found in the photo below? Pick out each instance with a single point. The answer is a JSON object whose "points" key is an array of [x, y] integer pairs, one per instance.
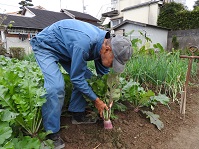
{"points": [[106, 55]]}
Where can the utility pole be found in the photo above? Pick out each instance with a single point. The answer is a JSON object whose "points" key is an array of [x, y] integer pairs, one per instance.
{"points": [[83, 5], [60, 5]]}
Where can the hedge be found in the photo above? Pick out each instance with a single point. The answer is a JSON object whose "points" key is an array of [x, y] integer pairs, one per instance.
{"points": [[175, 17]]}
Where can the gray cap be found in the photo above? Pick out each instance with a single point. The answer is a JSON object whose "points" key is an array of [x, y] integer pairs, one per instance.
{"points": [[122, 50]]}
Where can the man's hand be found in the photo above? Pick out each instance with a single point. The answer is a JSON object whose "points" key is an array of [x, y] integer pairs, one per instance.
{"points": [[100, 105]]}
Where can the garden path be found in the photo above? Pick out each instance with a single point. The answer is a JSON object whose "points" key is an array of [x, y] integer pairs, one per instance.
{"points": [[187, 137]]}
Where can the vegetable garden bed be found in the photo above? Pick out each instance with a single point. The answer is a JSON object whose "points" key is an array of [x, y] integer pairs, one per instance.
{"points": [[144, 114], [133, 130]]}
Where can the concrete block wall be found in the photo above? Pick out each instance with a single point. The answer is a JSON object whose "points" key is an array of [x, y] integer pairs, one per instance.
{"points": [[185, 38]]}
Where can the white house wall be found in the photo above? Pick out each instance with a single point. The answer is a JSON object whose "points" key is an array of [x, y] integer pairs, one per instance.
{"points": [[153, 14], [29, 13], [16, 42], [128, 3], [122, 4], [140, 14], [2, 36], [157, 35]]}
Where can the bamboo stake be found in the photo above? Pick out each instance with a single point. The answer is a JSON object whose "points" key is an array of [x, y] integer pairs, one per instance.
{"points": [[97, 146]]}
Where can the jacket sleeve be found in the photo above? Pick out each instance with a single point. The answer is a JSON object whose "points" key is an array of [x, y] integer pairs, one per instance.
{"points": [[77, 73]]}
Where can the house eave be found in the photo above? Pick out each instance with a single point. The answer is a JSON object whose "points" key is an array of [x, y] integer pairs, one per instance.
{"points": [[137, 23], [68, 13], [140, 5], [111, 13]]}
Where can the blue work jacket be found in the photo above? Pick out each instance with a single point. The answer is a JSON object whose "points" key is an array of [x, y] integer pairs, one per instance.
{"points": [[75, 42]]}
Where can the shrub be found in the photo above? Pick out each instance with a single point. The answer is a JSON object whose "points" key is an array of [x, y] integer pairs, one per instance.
{"points": [[175, 43], [176, 17], [17, 52], [2, 49]]}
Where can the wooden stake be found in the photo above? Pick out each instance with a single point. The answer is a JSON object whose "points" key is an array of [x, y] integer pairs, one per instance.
{"points": [[184, 93], [182, 102]]}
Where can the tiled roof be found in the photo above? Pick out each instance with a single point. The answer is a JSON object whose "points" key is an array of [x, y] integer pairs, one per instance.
{"points": [[79, 15], [83, 16], [137, 23], [44, 18]]}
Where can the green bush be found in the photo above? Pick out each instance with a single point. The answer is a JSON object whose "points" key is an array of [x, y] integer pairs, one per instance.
{"points": [[2, 49], [17, 52], [175, 43], [176, 17]]}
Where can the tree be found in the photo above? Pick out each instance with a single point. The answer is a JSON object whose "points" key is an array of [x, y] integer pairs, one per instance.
{"points": [[196, 5], [24, 3], [3, 27], [168, 14]]}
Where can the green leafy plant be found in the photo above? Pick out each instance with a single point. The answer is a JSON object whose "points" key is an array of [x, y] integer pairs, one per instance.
{"points": [[21, 98], [136, 95], [154, 119], [107, 89], [139, 98], [112, 93], [175, 43]]}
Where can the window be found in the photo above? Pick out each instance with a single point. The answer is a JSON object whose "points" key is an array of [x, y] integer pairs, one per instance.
{"points": [[116, 22]]}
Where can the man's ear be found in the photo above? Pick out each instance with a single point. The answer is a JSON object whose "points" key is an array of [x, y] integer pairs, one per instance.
{"points": [[105, 49], [108, 48]]}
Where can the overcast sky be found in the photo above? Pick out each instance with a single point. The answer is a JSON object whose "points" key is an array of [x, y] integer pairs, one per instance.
{"points": [[92, 6]]}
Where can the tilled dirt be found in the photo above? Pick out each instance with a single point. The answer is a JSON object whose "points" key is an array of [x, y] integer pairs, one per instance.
{"points": [[133, 131]]}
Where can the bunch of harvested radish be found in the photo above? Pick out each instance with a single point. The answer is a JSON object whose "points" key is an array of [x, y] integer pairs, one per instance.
{"points": [[106, 117]]}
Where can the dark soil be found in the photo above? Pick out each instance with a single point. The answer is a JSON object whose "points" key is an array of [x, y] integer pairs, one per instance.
{"points": [[133, 131]]}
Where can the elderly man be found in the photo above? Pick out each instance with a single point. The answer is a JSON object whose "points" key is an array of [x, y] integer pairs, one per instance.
{"points": [[71, 43]]}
